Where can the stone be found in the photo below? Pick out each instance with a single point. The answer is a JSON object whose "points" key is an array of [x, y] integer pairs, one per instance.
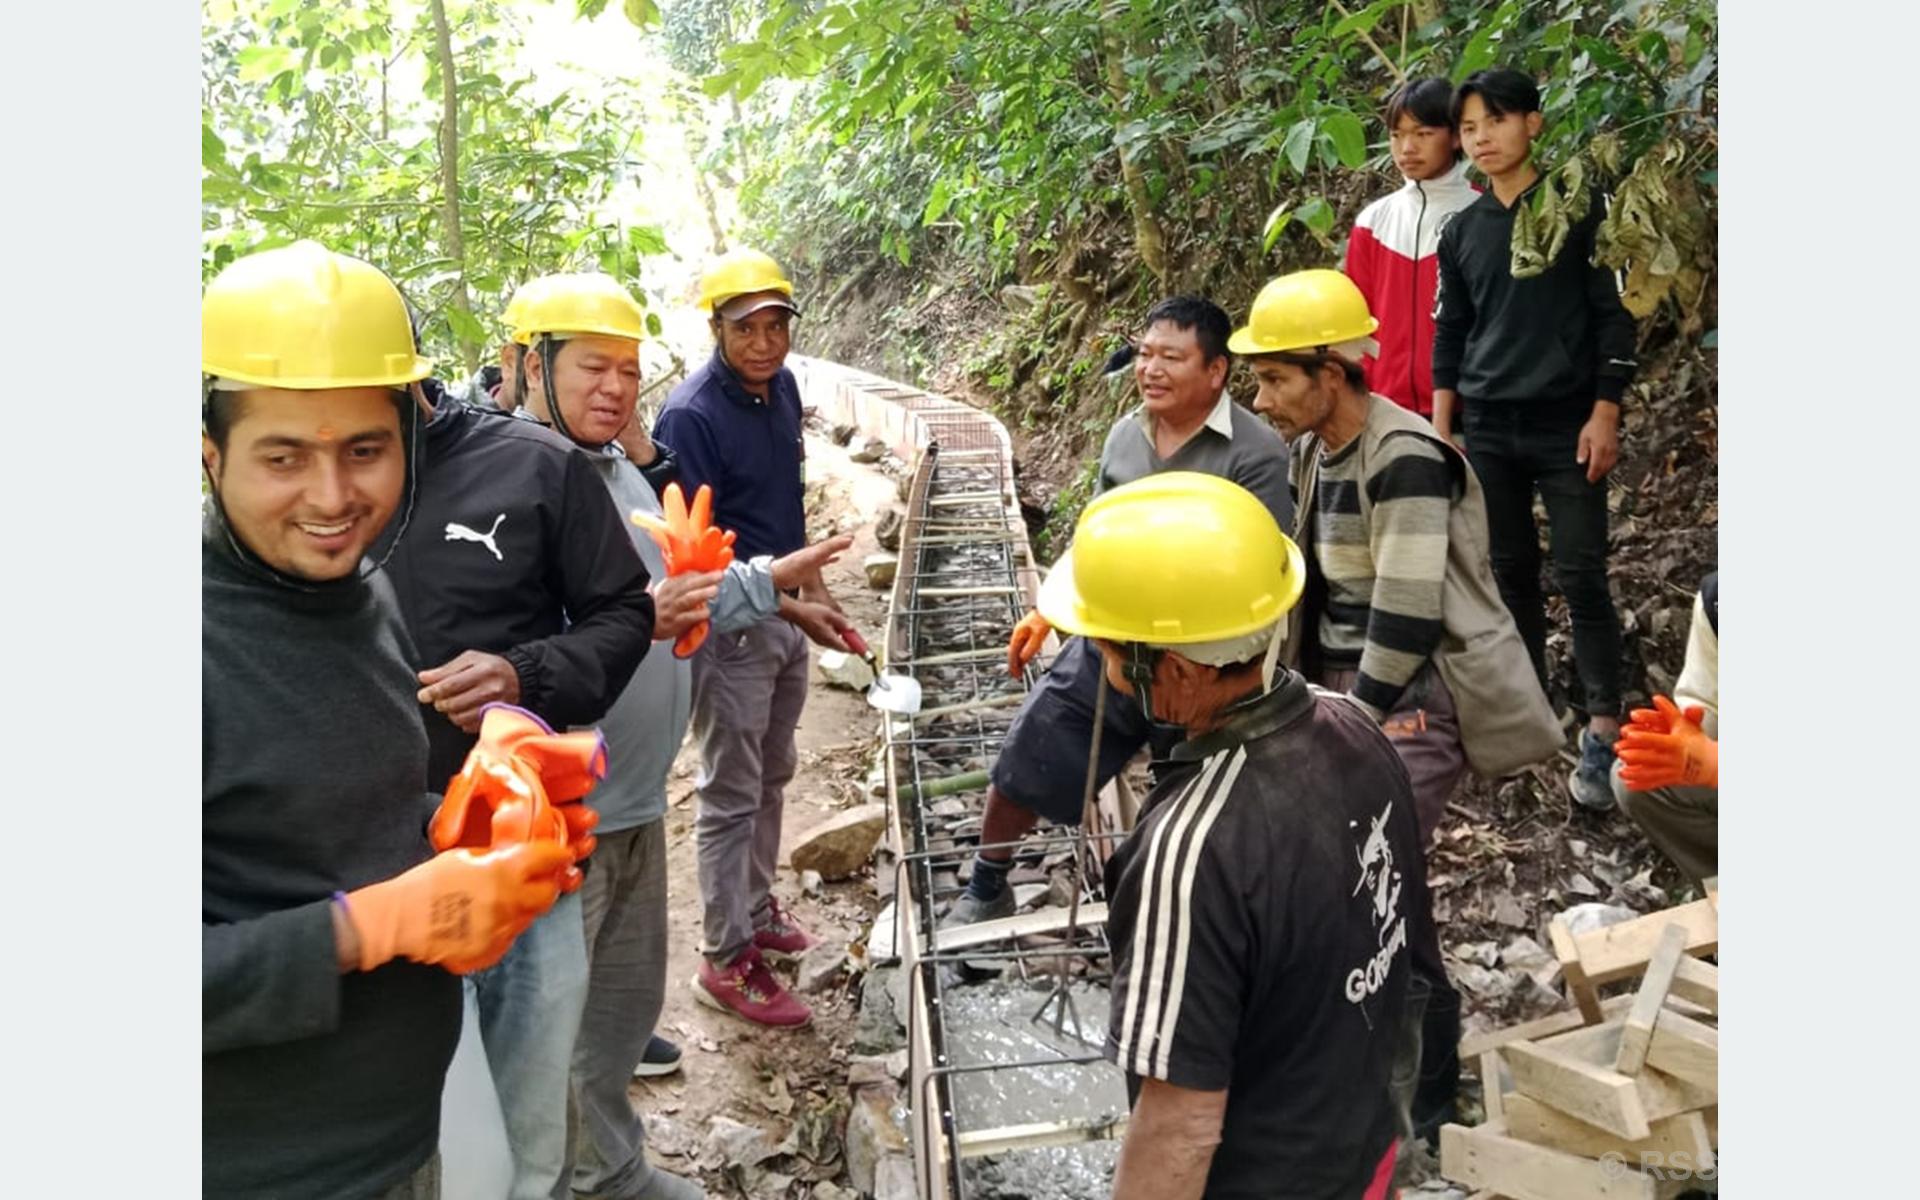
{"points": [[882, 943], [1025, 895], [1508, 911], [872, 452], [864, 1070], [888, 528], [811, 883], [843, 434], [1585, 918], [844, 670], [877, 1029], [839, 846], [876, 1130], [893, 1180], [820, 965], [880, 568], [828, 1190], [734, 1144], [1019, 297]]}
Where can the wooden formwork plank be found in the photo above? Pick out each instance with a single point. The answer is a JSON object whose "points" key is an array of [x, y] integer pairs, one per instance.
{"points": [[1637, 1030], [1594, 1094], [1476, 1044], [1493, 1085], [1543, 1125], [1620, 951], [1487, 1158], [1661, 1094], [980, 1142], [1580, 989], [1686, 1049], [1697, 982], [1047, 920]]}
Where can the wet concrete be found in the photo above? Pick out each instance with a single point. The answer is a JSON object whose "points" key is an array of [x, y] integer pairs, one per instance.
{"points": [[992, 1023]]}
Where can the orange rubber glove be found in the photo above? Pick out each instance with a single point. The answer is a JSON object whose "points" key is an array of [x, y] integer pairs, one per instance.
{"points": [[522, 782], [460, 909], [1028, 636], [1665, 747], [689, 541]]}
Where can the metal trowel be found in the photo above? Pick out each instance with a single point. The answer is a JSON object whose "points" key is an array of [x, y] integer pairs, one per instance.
{"points": [[888, 693]]}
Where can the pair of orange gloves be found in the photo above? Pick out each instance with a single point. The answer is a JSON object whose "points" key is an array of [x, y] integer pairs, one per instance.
{"points": [[510, 832], [1664, 746]]}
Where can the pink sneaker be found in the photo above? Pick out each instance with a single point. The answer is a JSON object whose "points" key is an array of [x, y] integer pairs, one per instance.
{"points": [[746, 988], [782, 940]]}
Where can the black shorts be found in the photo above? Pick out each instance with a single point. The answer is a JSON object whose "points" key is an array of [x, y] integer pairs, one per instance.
{"points": [[1043, 762]]}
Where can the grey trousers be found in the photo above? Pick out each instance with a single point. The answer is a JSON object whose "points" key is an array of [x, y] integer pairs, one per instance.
{"points": [[423, 1184], [748, 690], [624, 905], [1425, 731], [1683, 823]]}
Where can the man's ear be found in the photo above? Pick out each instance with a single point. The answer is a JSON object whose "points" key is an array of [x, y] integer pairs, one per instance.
{"points": [[1534, 122], [209, 457], [535, 368], [1217, 371]]}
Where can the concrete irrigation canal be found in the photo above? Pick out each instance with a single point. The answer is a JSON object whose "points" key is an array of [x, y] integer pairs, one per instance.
{"points": [[1008, 1093]]}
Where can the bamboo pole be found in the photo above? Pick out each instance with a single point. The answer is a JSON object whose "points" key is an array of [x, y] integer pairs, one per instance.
{"points": [[950, 710]]}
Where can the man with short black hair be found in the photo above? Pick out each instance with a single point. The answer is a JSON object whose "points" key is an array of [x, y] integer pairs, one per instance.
{"points": [[1390, 254], [735, 424], [1533, 372], [520, 585], [1185, 422], [328, 1010]]}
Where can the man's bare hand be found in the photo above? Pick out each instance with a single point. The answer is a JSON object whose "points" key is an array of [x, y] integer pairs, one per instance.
{"points": [[802, 567], [680, 602], [472, 680], [1600, 440], [634, 440], [823, 624]]}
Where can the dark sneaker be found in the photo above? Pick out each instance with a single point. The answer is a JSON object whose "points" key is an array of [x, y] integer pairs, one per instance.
{"points": [[970, 910], [746, 988], [661, 1057], [782, 940], [1589, 783]]}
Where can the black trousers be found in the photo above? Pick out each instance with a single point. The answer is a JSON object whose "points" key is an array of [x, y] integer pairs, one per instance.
{"points": [[1518, 449]]}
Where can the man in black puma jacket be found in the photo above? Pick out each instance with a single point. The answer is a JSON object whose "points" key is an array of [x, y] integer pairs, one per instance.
{"points": [[519, 583]]}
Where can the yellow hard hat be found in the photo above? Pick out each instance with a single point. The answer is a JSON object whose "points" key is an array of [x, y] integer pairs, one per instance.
{"points": [[575, 304], [513, 314], [738, 272], [1177, 558], [305, 317], [1304, 311]]}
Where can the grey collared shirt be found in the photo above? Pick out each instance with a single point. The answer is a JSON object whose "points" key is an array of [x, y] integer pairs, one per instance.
{"points": [[1233, 443]]}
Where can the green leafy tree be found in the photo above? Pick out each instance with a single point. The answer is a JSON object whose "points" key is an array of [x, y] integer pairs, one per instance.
{"points": [[345, 124]]}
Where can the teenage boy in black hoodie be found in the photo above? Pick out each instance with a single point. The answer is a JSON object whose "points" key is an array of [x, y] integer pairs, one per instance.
{"points": [[1532, 371]]}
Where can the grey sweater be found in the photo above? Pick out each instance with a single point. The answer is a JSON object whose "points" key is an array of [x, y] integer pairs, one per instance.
{"points": [[313, 779]]}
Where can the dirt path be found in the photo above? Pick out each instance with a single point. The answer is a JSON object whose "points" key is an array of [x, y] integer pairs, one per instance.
{"points": [[782, 1082]]}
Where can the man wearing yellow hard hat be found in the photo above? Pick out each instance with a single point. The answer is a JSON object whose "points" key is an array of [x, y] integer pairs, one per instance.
{"points": [[583, 333], [1406, 619], [1260, 913], [328, 1013], [734, 424], [520, 584]]}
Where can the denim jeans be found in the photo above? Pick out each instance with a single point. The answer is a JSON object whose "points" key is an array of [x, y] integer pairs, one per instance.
{"points": [[530, 1005], [1521, 448], [625, 908]]}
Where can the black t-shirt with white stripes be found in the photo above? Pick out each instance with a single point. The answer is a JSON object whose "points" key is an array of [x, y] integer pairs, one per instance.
{"points": [[1260, 920]]}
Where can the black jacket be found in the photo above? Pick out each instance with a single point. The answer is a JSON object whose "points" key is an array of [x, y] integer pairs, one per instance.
{"points": [[312, 779], [516, 549], [1561, 335]]}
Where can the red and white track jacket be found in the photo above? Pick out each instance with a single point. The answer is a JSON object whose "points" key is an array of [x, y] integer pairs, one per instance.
{"points": [[1391, 257]]}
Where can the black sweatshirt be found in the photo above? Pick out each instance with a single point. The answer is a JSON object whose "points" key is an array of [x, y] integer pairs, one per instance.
{"points": [[312, 780], [515, 548], [1562, 335]]}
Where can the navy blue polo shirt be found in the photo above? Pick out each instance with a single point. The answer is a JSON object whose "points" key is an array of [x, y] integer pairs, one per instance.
{"points": [[749, 449]]}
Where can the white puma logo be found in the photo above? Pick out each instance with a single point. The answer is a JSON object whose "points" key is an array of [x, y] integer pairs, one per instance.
{"points": [[457, 532]]}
